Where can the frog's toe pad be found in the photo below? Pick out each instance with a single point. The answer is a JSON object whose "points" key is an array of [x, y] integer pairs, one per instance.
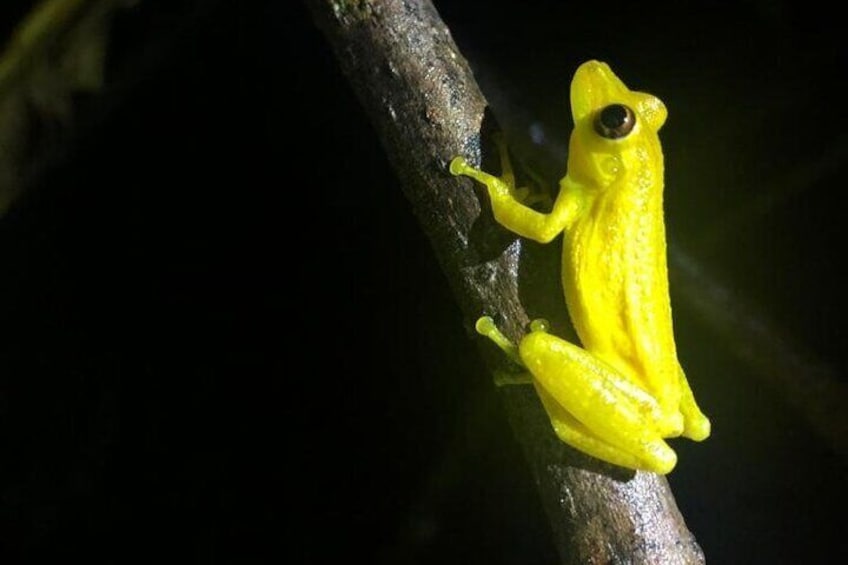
{"points": [[698, 429], [662, 457]]}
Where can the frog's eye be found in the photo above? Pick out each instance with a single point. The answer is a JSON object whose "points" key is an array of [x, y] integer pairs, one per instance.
{"points": [[615, 121]]}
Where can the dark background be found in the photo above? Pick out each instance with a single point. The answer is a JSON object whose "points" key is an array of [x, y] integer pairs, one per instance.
{"points": [[224, 339]]}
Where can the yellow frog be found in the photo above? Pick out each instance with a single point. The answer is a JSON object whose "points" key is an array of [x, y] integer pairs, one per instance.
{"points": [[623, 391]]}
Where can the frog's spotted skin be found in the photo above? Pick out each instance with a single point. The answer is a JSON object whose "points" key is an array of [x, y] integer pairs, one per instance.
{"points": [[619, 395]]}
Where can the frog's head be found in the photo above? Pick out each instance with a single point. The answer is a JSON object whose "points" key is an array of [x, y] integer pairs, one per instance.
{"points": [[610, 121]]}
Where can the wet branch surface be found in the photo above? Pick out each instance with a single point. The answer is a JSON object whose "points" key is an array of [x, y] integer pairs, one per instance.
{"points": [[421, 98]]}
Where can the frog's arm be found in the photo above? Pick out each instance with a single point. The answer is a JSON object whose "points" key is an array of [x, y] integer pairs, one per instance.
{"points": [[511, 213]]}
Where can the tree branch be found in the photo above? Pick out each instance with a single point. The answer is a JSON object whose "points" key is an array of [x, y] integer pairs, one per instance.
{"points": [[423, 101]]}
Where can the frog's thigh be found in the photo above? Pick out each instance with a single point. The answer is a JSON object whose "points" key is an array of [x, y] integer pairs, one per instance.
{"points": [[579, 437], [598, 397]]}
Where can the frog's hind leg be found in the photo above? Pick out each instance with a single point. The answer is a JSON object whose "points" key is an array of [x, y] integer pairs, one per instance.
{"points": [[617, 418], [578, 436]]}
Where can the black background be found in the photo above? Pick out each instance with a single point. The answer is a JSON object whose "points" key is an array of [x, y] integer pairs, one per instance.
{"points": [[224, 338]]}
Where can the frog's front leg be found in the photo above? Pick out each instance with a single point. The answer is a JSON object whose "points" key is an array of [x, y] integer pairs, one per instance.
{"points": [[591, 406], [508, 202]]}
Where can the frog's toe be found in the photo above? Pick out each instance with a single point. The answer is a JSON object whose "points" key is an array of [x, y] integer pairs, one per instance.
{"points": [[672, 425], [698, 429], [459, 166], [661, 458]]}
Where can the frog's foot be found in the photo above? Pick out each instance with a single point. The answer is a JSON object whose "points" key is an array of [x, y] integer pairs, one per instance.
{"points": [[503, 378], [485, 326]]}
